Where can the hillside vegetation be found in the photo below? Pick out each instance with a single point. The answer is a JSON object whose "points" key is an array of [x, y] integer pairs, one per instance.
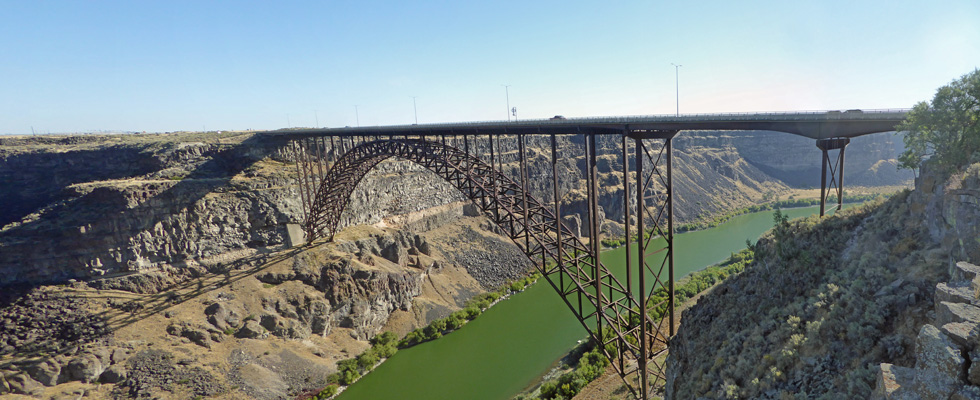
{"points": [[817, 311]]}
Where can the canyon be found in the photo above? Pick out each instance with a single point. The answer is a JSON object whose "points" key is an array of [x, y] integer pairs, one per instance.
{"points": [[175, 253]]}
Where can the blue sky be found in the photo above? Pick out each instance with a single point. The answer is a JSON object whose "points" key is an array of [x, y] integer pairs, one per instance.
{"points": [[78, 66]]}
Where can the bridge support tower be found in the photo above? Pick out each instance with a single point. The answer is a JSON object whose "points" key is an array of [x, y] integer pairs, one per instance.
{"points": [[834, 165]]}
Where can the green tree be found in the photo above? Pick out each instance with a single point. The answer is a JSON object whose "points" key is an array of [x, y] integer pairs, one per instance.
{"points": [[946, 131]]}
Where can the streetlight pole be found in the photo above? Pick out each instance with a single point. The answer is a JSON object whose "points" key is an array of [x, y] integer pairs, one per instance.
{"points": [[317, 117], [416, 108], [357, 116], [507, 94], [677, 86]]}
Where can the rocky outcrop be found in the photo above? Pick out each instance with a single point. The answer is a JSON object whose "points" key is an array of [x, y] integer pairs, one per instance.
{"points": [[89, 363], [945, 366], [950, 208], [947, 359], [360, 292]]}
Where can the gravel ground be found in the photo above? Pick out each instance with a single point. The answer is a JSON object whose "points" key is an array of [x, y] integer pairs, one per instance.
{"points": [[491, 261], [37, 320], [153, 370]]}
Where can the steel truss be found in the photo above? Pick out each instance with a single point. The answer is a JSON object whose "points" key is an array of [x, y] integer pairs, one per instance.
{"points": [[836, 168], [329, 168]]}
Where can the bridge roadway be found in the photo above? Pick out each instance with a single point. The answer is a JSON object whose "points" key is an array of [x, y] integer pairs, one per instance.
{"points": [[811, 124], [330, 163]]}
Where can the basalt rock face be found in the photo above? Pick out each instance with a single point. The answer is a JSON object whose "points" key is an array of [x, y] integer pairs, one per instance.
{"points": [[869, 160], [89, 207], [359, 292], [950, 208], [398, 188], [30, 180], [200, 201]]}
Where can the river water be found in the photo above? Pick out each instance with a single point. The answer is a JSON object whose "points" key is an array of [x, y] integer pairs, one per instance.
{"points": [[512, 344]]}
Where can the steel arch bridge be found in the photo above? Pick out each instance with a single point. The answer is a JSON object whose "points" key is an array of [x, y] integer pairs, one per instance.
{"points": [[610, 312], [331, 162]]}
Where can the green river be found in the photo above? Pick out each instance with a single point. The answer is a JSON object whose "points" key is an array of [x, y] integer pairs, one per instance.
{"points": [[516, 341]]}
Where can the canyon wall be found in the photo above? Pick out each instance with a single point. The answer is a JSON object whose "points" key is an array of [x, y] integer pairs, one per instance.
{"points": [[85, 207]]}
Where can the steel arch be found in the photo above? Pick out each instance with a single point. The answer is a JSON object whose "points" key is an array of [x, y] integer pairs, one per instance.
{"points": [[588, 288]]}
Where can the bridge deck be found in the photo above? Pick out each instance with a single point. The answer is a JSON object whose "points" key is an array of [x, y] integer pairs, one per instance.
{"points": [[811, 124]]}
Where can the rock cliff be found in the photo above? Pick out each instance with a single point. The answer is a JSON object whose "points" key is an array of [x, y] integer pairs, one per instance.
{"points": [[837, 307], [168, 207]]}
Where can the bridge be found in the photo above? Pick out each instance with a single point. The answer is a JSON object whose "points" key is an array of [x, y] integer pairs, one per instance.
{"points": [[614, 309]]}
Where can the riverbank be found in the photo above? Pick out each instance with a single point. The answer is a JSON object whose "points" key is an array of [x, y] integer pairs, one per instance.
{"points": [[386, 344]]}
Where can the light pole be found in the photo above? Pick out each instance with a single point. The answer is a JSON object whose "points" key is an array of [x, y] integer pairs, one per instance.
{"points": [[416, 108], [357, 116], [317, 117], [507, 93], [677, 86]]}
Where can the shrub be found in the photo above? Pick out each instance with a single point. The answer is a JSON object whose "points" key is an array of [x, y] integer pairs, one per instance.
{"points": [[367, 359], [472, 312], [326, 393]]}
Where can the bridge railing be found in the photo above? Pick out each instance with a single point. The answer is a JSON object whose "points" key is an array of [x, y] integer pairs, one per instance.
{"points": [[885, 115]]}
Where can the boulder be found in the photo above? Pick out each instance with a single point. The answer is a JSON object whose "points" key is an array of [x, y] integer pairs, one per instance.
{"points": [[275, 278], [197, 335], [394, 252], [965, 334], [963, 271], [23, 384], [114, 374], [947, 312], [293, 329], [423, 245], [893, 382], [222, 317], [975, 287], [939, 367], [119, 355], [954, 292], [973, 374], [47, 373], [320, 325], [270, 322], [251, 330], [85, 368], [966, 393]]}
